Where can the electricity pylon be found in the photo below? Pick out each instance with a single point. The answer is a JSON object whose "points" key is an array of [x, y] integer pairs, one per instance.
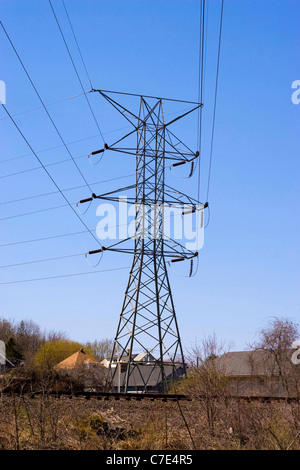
{"points": [[148, 321]]}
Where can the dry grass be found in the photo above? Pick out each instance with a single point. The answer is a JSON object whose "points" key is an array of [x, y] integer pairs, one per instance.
{"points": [[78, 424]]}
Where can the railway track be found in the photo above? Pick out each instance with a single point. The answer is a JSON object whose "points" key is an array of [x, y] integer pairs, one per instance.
{"points": [[135, 396], [111, 396]]}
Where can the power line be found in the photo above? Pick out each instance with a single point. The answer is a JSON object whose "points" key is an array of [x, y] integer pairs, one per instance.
{"points": [[200, 87], [47, 149], [43, 104], [61, 205], [41, 260], [55, 258], [73, 63], [34, 240], [215, 101], [22, 242], [64, 190], [53, 181], [28, 170], [38, 211], [146, 96], [35, 212], [77, 44], [41, 107], [69, 143], [63, 275]]}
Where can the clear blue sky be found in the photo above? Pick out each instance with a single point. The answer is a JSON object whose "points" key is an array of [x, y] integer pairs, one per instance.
{"points": [[249, 265]]}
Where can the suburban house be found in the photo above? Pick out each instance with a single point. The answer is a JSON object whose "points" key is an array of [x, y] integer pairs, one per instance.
{"points": [[87, 371], [148, 378], [144, 358], [146, 374], [4, 361], [260, 373], [78, 360]]}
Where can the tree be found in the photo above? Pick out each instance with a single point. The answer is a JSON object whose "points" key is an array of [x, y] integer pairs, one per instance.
{"points": [[101, 349], [28, 338], [277, 340], [53, 352], [26, 335], [206, 383], [13, 354], [7, 329], [278, 336]]}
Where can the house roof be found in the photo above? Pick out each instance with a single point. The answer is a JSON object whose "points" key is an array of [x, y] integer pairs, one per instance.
{"points": [[149, 374], [134, 357], [246, 363], [76, 360]]}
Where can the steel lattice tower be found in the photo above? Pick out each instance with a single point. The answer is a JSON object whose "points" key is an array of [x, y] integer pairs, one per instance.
{"points": [[148, 321]]}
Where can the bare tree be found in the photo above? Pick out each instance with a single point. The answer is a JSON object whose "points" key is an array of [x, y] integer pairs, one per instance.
{"points": [[206, 382], [28, 338], [101, 349], [276, 342]]}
